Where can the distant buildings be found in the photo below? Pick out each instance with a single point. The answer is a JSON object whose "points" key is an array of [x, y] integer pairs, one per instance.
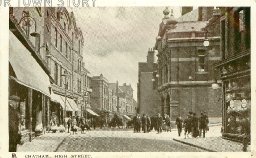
{"points": [[111, 98], [148, 96]]}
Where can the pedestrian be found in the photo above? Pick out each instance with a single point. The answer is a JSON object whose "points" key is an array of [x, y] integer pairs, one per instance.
{"points": [[74, 125], [69, 122], [14, 133], [82, 124], [203, 121], [144, 123], [195, 130], [148, 124], [138, 122], [135, 123], [187, 126], [159, 122], [167, 123], [179, 124]]}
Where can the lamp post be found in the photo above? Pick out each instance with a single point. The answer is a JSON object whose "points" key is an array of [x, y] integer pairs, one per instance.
{"points": [[65, 102]]}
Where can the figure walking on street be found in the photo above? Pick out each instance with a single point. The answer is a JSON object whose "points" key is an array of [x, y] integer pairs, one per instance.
{"points": [[195, 131], [159, 123], [179, 125], [187, 126], [69, 123], [144, 123], [203, 123], [14, 136], [148, 124]]}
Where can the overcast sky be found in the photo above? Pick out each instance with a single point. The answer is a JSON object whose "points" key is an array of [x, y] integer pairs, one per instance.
{"points": [[116, 39]]}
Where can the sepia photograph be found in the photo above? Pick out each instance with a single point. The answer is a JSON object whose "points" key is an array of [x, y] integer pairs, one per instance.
{"points": [[130, 79]]}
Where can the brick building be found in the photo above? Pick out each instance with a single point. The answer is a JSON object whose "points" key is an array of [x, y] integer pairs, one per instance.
{"points": [[148, 96], [235, 70], [185, 65]]}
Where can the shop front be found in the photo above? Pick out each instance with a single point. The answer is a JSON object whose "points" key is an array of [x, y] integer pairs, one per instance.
{"points": [[30, 82], [235, 74]]}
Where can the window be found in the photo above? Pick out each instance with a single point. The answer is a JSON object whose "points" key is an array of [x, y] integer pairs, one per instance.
{"points": [[56, 37], [56, 73], [66, 49], [201, 63], [25, 24], [47, 13], [61, 76], [64, 26], [70, 58], [79, 47], [60, 43]]}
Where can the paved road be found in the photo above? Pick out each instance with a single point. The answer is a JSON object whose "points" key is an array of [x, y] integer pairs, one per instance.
{"points": [[123, 141]]}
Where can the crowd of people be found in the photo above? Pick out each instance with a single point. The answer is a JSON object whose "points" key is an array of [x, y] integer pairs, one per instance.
{"points": [[193, 126]]}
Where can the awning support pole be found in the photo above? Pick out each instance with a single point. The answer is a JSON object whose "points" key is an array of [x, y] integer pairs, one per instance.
{"points": [[30, 112]]}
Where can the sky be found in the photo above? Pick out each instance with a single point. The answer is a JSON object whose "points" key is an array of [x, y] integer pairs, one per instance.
{"points": [[117, 38]]}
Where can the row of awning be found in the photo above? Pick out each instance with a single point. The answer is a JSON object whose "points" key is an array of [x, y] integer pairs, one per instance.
{"points": [[30, 74], [70, 104]]}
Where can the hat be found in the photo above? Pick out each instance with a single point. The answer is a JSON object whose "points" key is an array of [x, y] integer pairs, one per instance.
{"points": [[14, 97]]}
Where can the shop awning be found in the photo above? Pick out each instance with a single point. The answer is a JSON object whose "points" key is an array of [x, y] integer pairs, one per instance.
{"points": [[127, 117], [61, 100], [28, 72], [73, 104], [92, 112]]}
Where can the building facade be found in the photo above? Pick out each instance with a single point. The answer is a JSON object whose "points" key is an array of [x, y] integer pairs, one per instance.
{"points": [[235, 71], [185, 65], [147, 94], [52, 44], [99, 97], [29, 75]]}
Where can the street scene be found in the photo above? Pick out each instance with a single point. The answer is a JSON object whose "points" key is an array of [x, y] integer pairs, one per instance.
{"points": [[130, 79]]}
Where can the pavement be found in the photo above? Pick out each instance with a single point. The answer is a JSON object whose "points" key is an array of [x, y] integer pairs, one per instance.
{"points": [[124, 140], [213, 142], [47, 142]]}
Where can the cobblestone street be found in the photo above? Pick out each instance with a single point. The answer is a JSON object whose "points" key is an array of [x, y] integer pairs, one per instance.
{"points": [[123, 141]]}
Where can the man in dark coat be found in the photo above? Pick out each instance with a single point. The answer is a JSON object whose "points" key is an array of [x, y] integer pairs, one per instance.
{"points": [[203, 121], [159, 122], [187, 125], [179, 124], [195, 131], [14, 136], [144, 123]]}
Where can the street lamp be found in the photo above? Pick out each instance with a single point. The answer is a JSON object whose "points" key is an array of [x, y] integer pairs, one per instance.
{"points": [[85, 102], [66, 86]]}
